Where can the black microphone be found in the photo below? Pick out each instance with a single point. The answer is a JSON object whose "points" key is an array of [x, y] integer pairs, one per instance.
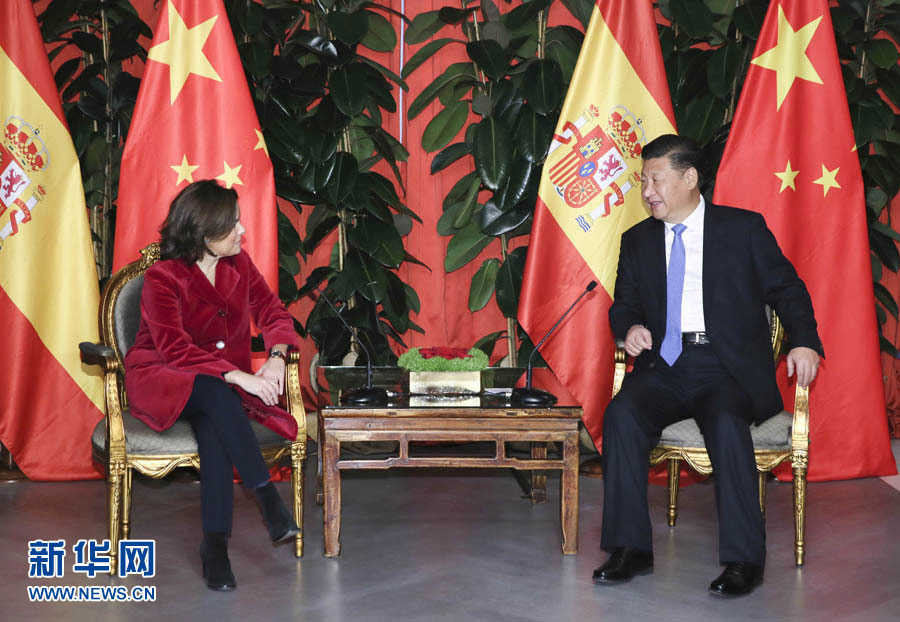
{"points": [[529, 396], [362, 396]]}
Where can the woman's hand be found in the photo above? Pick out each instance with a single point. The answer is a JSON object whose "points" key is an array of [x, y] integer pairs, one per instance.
{"points": [[273, 369], [264, 388]]}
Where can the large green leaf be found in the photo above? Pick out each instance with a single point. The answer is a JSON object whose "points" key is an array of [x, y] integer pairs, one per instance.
{"points": [[522, 15], [468, 205], [317, 44], [465, 246], [882, 52], [449, 155], [517, 184], [883, 172], [348, 89], [693, 17], [534, 135], [366, 276], [454, 73], [885, 249], [493, 152], [749, 17], [379, 239], [445, 126], [482, 287], [452, 15], [722, 67], [703, 116], [423, 27], [343, 179], [580, 9], [489, 56], [509, 282], [424, 53], [543, 86], [380, 35], [459, 189], [495, 221], [884, 296], [349, 28]]}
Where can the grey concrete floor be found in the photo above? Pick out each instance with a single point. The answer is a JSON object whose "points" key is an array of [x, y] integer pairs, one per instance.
{"points": [[461, 545]]}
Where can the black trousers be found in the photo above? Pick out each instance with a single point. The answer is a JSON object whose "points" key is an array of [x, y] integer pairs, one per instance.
{"points": [[225, 441], [651, 399]]}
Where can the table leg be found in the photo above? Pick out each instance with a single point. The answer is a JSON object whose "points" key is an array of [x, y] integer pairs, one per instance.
{"points": [[331, 453], [569, 495], [538, 491]]}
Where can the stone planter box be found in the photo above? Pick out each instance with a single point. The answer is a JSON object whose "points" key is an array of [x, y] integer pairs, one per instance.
{"points": [[438, 382]]}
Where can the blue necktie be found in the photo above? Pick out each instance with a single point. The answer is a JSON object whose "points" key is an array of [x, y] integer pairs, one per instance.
{"points": [[670, 349]]}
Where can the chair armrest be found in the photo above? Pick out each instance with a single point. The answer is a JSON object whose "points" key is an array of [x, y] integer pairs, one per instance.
{"points": [[98, 354], [800, 424], [294, 396], [619, 374]]}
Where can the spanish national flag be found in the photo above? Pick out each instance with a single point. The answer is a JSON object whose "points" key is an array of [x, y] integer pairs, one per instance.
{"points": [[590, 194], [49, 403]]}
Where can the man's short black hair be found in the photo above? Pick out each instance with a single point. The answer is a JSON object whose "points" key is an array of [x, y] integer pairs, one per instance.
{"points": [[683, 153]]}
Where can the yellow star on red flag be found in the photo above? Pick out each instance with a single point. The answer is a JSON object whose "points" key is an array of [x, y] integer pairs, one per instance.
{"points": [[787, 178], [788, 58], [828, 180], [260, 142], [185, 171], [230, 175], [183, 52]]}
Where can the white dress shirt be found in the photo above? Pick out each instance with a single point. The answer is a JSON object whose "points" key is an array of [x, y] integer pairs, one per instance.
{"points": [[692, 295]]}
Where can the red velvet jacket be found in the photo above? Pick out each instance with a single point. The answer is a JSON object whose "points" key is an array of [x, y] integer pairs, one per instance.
{"points": [[189, 327]]}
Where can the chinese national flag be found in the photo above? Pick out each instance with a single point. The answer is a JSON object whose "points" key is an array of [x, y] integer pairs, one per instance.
{"points": [[590, 193], [791, 157], [194, 119], [49, 403]]}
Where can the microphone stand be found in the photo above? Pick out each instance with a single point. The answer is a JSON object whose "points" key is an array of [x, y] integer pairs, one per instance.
{"points": [[529, 396], [361, 396]]}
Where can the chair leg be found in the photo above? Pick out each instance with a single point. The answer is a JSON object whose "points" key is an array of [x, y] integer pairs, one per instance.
{"points": [[126, 503], [114, 501], [298, 454], [763, 477], [799, 513], [674, 480]]}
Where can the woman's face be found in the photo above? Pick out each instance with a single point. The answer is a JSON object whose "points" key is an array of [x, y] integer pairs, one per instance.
{"points": [[231, 243]]}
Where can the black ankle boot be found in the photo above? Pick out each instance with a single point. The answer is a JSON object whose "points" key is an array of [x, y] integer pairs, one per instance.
{"points": [[278, 519], [216, 566]]}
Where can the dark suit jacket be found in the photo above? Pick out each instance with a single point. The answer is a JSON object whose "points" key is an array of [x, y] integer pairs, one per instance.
{"points": [[189, 327], [743, 271]]}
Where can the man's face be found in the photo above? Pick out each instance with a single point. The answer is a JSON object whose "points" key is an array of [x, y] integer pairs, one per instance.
{"points": [[671, 196]]}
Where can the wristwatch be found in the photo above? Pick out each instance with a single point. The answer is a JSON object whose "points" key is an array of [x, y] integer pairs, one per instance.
{"points": [[277, 354]]}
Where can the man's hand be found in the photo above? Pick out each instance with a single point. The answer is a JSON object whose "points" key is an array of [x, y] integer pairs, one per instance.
{"points": [[804, 361], [637, 340]]}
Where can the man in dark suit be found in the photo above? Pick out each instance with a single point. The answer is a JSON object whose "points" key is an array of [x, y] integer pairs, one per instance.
{"points": [[692, 285]]}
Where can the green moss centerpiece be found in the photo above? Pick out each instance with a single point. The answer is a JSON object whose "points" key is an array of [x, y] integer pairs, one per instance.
{"points": [[441, 371]]}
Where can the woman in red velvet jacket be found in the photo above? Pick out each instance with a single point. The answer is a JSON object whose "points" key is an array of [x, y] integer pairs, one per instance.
{"points": [[191, 359]]}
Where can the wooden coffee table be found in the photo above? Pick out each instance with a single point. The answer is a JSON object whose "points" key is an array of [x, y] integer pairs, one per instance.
{"points": [[493, 421]]}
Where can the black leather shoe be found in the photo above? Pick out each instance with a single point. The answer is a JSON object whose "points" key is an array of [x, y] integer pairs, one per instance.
{"points": [[216, 565], [623, 564], [278, 519], [738, 578]]}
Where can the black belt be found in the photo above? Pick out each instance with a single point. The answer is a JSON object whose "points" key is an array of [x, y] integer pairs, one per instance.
{"points": [[696, 339]]}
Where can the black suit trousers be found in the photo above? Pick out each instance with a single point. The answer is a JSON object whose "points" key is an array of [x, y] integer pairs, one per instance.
{"points": [[225, 440], [654, 397]]}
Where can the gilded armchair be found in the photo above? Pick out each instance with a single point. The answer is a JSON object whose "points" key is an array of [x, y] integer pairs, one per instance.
{"points": [[783, 437], [123, 444]]}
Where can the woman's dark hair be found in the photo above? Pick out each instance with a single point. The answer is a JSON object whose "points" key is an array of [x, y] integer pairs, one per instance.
{"points": [[204, 210], [683, 153]]}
